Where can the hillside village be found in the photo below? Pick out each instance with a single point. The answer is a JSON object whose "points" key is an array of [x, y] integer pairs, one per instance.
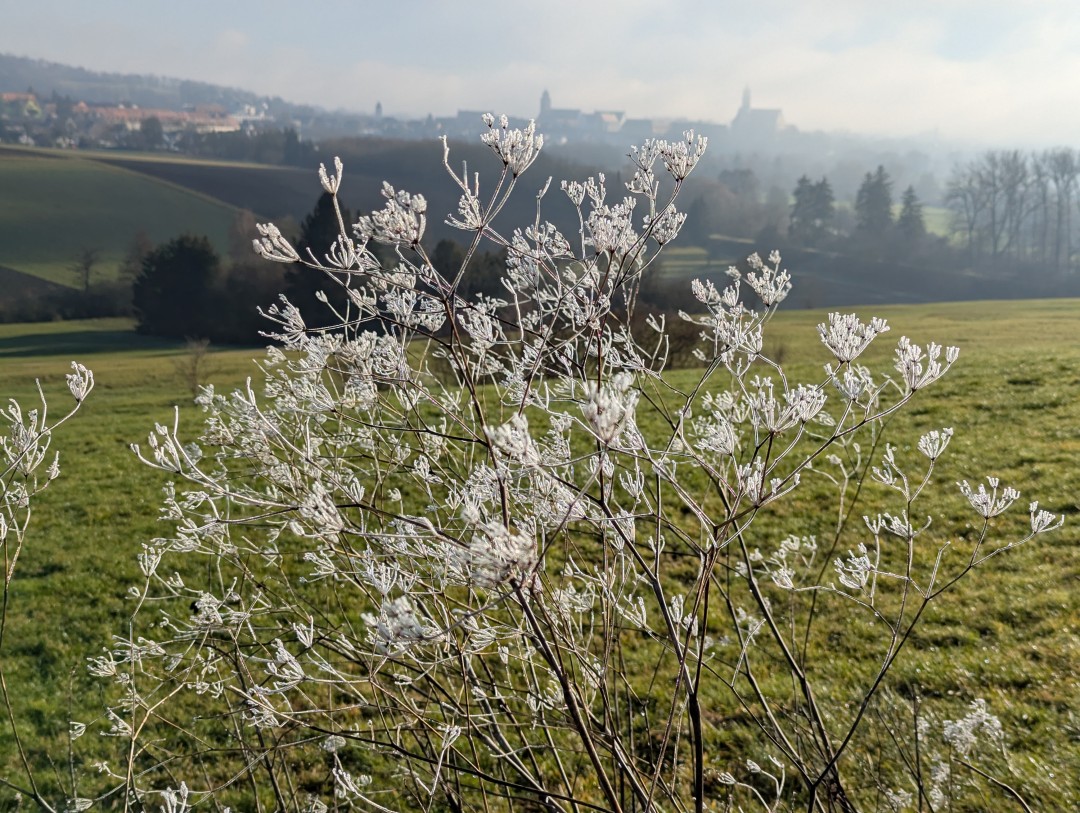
{"points": [[61, 122]]}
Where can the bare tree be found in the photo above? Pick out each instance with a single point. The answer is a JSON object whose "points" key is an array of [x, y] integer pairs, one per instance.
{"points": [[1064, 169], [193, 366], [83, 267], [966, 198]]}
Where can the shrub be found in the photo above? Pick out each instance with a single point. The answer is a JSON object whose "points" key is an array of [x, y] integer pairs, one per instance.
{"points": [[481, 554]]}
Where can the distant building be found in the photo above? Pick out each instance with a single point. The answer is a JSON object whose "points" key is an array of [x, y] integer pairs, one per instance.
{"points": [[558, 123], [202, 119], [20, 105], [564, 124], [755, 127], [635, 131]]}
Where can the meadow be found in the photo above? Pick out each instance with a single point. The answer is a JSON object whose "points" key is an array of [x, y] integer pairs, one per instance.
{"points": [[1010, 635]]}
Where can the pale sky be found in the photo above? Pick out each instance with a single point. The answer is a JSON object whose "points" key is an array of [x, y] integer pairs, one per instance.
{"points": [[996, 72]]}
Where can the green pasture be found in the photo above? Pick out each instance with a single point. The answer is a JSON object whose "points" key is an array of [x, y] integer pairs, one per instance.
{"points": [[54, 205], [1010, 635]]}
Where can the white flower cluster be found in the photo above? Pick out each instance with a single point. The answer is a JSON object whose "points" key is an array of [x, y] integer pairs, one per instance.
{"points": [[497, 554], [611, 227], [517, 149], [847, 337], [934, 442], [272, 245], [989, 503], [799, 406], [680, 157], [918, 369], [856, 570], [397, 626], [770, 283], [80, 381], [608, 410], [665, 226], [401, 221]]}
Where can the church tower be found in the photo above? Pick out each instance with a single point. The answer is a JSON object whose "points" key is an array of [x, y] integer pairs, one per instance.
{"points": [[746, 98], [545, 104]]}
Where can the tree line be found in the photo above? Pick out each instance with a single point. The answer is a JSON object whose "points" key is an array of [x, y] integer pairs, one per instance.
{"points": [[1013, 215], [879, 231], [1012, 208]]}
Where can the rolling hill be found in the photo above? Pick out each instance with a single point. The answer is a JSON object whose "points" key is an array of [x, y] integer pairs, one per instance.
{"points": [[54, 205]]}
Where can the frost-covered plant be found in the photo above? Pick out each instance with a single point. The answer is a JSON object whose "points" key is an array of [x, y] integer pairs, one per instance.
{"points": [[466, 554], [941, 758], [28, 469]]}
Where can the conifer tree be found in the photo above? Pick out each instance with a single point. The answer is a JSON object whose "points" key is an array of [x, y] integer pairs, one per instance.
{"points": [[174, 293], [318, 233], [812, 211], [910, 224], [873, 205]]}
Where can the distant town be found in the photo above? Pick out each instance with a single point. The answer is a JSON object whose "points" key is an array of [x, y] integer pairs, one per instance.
{"points": [[33, 119], [46, 104]]}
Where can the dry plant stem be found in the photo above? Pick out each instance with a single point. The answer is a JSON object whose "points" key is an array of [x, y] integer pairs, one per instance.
{"points": [[998, 784], [25, 451]]}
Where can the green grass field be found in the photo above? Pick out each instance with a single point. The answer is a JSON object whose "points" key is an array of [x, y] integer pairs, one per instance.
{"points": [[54, 205], [1010, 635]]}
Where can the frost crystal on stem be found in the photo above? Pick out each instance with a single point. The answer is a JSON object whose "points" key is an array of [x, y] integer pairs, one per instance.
{"points": [[847, 337]]}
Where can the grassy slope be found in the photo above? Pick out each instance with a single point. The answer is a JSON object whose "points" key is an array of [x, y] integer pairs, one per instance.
{"points": [[271, 192], [53, 205], [1011, 635]]}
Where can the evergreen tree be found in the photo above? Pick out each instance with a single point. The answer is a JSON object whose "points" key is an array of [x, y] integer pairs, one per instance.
{"points": [[244, 288], [799, 223], [318, 233], [812, 211], [910, 224], [297, 153], [700, 222], [174, 293], [447, 258], [823, 206], [242, 232], [483, 275], [873, 205]]}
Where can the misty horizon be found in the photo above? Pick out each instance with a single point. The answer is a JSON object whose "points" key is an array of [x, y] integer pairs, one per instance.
{"points": [[986, 73]]}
